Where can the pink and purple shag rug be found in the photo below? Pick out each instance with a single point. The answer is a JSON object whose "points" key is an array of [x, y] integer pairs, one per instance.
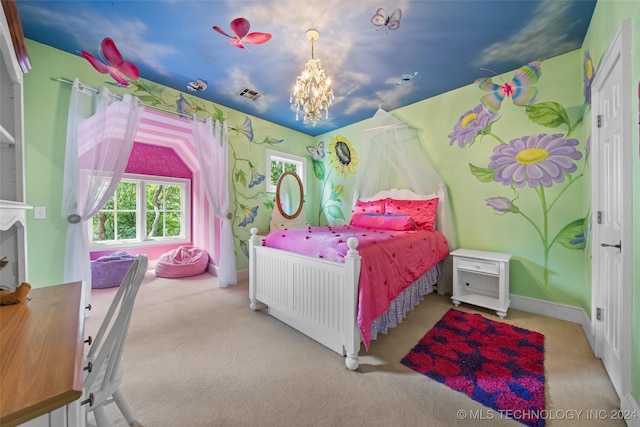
{"points": [[494, 363]]}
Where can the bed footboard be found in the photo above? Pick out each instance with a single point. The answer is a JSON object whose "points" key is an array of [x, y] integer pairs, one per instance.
{"points": [[317, 297]]}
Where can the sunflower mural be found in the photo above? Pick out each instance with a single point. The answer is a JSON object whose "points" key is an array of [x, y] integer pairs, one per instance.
{"points": [[342, 159], [530, 162]]}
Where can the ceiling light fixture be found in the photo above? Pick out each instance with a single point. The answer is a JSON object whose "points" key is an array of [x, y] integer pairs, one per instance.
{"points": [[312, 92]]}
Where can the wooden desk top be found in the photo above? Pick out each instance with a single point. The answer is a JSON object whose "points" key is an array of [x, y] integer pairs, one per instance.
{"points": [[41, 352]]}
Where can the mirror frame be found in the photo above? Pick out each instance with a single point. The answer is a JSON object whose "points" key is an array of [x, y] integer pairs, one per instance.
{"points": [[300, 205]]}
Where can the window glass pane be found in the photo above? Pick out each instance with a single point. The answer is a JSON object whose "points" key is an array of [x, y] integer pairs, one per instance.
{"points": [[155, 224], [109, 205], [155, 196], [103, 226], [126, 225], [126, 196], [173, 199], [172, 224], [276, 170], [165, 209]]}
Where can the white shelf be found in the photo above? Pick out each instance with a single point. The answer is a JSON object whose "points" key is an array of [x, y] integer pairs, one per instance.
{"points": [[13, 209]]}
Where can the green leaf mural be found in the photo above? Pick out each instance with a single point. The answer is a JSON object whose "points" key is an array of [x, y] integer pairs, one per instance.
{"points": [[548, 114], [537, 162]]}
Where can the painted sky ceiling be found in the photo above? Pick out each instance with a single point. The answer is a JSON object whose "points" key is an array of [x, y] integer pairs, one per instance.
{"points": [[438, 46]]}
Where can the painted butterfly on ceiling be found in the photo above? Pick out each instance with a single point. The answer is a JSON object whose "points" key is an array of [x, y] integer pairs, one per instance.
{"points": [[380, 19], [316, 153], [520, 88], [115, 66], [240, 29], [407, 78]]}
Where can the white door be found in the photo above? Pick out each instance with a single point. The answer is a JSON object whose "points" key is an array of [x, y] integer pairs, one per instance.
{"points": [[611, 191]]}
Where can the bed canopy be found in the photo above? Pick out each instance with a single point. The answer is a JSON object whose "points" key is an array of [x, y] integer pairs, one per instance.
{"points": [[393, 157]]}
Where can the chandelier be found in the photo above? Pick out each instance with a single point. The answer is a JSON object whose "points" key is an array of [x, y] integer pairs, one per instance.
{"points": [[312, 92]]}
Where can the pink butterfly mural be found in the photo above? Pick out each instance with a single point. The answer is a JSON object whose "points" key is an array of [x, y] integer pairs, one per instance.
{"points": [[520, 88], [240, 29], [116, 66]]}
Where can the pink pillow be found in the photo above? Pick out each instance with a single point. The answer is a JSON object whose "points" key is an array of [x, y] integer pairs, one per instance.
{"points": [[383, 221], [373, 206], [422, 211]]}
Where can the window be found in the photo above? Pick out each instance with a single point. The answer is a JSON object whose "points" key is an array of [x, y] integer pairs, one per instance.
{"points": [[145, 210], [279, 163]]}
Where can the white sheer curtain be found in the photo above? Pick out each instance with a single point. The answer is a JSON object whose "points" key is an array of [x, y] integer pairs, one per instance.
{"points": [[211, 141], [391, 155], [100, 132]]}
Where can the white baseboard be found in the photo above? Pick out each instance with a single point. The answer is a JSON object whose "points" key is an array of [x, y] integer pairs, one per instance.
{"points": [[629, 405], [243, 274], [555, 310]]}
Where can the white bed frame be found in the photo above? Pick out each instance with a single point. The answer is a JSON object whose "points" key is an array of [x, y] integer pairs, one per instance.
{"points": [[315, 296]]}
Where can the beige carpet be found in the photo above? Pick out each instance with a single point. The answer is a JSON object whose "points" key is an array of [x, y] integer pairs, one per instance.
{"points": [[196, 355]]}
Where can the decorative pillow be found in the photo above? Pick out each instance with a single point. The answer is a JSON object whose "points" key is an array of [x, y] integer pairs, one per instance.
{"points": [[422, 211], [396, 222], [373, 206]]}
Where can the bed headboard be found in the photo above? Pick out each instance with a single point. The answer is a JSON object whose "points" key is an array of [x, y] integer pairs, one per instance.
{"points": [[406, 194]]}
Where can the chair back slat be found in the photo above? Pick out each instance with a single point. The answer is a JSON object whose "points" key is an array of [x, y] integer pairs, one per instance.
{"points": [[107, 348]]}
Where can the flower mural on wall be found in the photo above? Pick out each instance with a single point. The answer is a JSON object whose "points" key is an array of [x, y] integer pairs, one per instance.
{"points": [[245, 175], [342, 159], [537, 162]]}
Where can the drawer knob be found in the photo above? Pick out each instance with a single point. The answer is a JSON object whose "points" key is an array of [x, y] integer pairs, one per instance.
{"points": [[89, 340]]}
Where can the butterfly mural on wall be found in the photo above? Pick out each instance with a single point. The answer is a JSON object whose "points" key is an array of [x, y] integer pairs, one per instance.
{"points": [[115, 65], [316, 153], [240, 29], [392, 22], [520, 88]]}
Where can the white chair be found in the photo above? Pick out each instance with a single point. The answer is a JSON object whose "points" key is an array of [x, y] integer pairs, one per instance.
{"points": [[101, 384]]}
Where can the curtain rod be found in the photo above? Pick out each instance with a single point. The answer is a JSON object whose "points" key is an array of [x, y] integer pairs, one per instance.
{"points": [[119, 97]]}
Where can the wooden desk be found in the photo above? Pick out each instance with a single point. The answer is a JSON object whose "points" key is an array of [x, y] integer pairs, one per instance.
{"points": [[41, 352]]}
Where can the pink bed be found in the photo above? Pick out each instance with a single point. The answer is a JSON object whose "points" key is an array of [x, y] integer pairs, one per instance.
{"points": [[342, 285], [391, 260]]}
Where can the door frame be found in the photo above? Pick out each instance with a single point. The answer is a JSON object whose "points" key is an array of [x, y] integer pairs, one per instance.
{"points": [[620, 48]]}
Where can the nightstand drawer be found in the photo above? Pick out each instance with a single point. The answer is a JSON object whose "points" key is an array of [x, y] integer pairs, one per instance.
{"points": [[479, 266]]}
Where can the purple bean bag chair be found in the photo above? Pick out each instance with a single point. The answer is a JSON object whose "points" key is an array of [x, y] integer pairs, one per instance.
{"points": [[109, 270], [182, 261]]}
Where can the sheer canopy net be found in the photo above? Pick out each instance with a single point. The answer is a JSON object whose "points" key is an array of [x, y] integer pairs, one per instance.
{"points": [[391, 156]]}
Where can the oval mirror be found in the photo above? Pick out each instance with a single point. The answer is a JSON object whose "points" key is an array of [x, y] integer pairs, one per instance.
{"points": [[289, 195]]}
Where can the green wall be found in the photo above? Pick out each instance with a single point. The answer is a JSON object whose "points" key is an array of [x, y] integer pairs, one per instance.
{"points": [[521, 231], [479, 226], [46, 107]]}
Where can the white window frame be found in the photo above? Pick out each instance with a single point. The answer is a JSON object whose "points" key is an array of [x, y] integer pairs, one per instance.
{"points": [[298, 161], [141, 226]]}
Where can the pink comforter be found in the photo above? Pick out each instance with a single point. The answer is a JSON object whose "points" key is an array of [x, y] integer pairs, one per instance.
{"points": [[391, 260]]}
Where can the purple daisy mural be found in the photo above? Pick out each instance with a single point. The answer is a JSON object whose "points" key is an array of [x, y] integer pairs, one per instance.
{"points": [[537, 162], [471, 124]]}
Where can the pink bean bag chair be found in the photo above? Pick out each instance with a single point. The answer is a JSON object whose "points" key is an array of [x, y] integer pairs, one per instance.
{"points": [[182, 261]]}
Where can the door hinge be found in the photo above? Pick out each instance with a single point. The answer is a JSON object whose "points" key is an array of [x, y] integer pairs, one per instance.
{"points": [[599, 120], [599, 217], [598, 313]]}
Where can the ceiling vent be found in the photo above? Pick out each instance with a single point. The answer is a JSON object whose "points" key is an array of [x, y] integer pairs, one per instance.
{"points": [[250, 94]]}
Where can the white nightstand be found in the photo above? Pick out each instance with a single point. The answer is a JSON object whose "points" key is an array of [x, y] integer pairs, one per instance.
{"points": [[481, 278]]}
